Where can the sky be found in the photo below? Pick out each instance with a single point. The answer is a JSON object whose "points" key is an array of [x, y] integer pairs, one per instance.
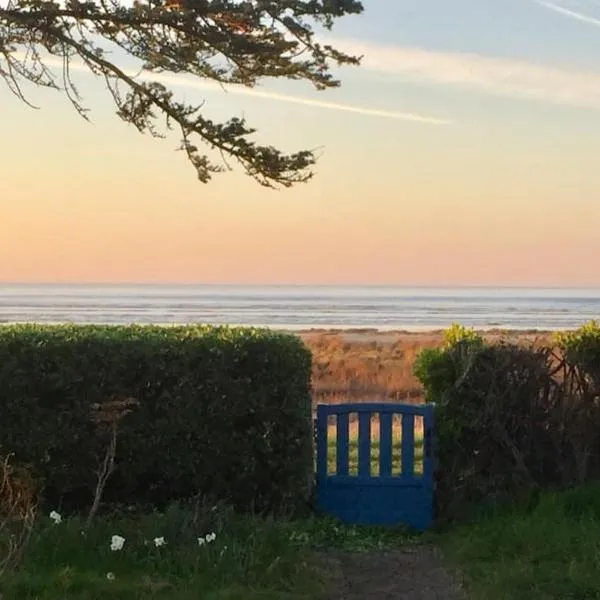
{"points": [[463, 151]]}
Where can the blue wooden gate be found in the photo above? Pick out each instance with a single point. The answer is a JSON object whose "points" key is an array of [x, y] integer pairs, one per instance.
{"points": [[401, 488]]}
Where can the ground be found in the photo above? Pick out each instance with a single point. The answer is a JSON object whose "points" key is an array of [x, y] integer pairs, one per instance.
{"points": [[413, 573]]}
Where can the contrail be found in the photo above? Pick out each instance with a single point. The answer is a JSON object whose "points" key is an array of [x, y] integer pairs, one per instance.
{"points": [[244, 91], [567, 12]]}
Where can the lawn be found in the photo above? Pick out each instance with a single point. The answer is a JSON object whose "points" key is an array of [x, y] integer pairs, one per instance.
{"points": [[547, 552], [174, 556], [170, 555]]}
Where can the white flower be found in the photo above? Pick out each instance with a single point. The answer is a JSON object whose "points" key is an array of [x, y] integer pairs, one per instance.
{"points": [[159, 541], [116, 543], [207, 539], [55, 517], [110, 576]]}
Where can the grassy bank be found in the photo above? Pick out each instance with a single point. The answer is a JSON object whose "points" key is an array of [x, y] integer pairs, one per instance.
{"points": [[547, 552], [550, 551], [180, 554], [212, 554]]}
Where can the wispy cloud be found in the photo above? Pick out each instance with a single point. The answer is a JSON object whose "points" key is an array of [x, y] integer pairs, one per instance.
{"points": [[192, 83], [567, 12], [497, 76]]}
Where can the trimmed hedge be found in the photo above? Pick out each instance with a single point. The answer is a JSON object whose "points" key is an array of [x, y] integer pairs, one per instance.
{"points": [[221, 412]]}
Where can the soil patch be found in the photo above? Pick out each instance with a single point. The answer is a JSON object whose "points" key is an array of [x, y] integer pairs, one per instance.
{"points": [[413, 573]]}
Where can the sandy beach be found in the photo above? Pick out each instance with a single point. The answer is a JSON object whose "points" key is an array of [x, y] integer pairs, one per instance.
{"points": [[356, 365]]}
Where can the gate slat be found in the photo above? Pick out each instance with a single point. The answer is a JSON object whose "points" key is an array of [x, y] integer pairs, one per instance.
{"points": [[408, 445], [428, 421], [385, 444], [322, 445], [364, 444], [341, 445]]}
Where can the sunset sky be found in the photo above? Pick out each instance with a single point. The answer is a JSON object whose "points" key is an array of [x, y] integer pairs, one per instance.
{"points": [[465, 150]]}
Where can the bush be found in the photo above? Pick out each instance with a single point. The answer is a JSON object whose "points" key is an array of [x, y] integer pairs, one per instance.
{"points": [[221, 412], [18, 504], [511, 419], [582, 348]]}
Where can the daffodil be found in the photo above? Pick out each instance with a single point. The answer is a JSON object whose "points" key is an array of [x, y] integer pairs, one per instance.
{"points": [[116, 543], [207, 539]]}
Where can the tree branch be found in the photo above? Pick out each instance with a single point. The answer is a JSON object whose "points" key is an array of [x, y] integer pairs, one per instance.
{"points": [[255, 39]]}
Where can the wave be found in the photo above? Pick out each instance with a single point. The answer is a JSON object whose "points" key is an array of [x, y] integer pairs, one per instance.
{"points": [[292, 307]]}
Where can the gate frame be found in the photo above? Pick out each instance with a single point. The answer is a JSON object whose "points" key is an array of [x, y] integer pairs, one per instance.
{"points": [[384, 499]]}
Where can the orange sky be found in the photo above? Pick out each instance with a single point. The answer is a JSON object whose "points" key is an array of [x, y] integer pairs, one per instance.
{"points": [[507, 193]]}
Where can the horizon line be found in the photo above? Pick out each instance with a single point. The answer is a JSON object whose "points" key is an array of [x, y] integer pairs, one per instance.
{"points": [[295, 285]]}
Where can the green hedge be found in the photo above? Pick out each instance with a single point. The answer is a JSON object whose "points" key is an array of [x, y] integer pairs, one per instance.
{"points": [[512, 419], [221, 412]]}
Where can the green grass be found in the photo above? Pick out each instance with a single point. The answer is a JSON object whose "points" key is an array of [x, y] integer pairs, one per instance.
{"points": [[550, 552], [252, 558]]}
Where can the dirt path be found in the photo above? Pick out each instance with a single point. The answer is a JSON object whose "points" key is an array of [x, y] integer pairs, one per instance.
{"points": [[414, 573]]}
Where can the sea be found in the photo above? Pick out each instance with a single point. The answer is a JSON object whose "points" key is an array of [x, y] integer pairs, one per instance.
{"points": [[296, 308]]}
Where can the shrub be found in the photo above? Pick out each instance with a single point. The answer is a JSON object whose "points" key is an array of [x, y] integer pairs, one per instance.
{"points": [[218, 411], [511, 418], [582, 349], [18, 504], [579, 373]]}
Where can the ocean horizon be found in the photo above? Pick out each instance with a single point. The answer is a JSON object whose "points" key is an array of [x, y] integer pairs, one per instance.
{"points": [[301, 307]]}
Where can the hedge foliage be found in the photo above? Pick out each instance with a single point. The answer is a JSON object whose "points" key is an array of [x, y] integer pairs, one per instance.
{"points": [[220, 412], [512, 418]]}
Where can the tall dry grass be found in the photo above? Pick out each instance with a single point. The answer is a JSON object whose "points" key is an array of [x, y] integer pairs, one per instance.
{"points": [[371, 366]]}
